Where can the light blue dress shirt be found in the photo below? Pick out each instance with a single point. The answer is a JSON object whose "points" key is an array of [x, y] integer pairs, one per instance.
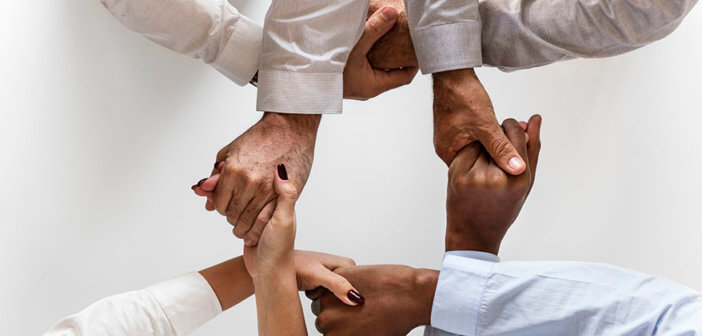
{"points": [[478, 295]]}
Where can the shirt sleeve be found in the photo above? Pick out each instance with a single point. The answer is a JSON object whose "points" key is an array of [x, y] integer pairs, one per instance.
{"points": [[446, 34], [484, 297], [171, 308], [211, 30], [306, 44], [521, 34]]}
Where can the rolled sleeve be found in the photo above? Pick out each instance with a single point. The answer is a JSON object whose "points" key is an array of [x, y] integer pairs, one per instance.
{"points": [[459, 292], [188, 301], [446, 34], [304, 51]]}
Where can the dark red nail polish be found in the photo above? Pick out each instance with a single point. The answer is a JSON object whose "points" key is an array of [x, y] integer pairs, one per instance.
{"points": [[194, 186], [355, 297], [282, 172], [199, 183]]}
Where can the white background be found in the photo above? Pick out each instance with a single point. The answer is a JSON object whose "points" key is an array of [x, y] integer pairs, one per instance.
{"points": [[102, 134]]}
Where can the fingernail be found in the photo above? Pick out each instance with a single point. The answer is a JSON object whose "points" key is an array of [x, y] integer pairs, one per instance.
{"points": [[216, 165], [516, 163], [389, 13], [199, 183], [355, 297], [282, 172], [194, 186]]}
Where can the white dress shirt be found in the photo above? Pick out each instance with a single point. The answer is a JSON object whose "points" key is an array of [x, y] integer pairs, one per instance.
{"points": [[478, 295], [171, 308], [519, 34], [300, 53]]}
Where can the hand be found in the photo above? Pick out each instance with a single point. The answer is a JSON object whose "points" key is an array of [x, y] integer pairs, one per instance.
{"points": [[395, 49], [316, 270], [276, 246], [463, 113], [241, 184], [361, 81], [398, 299], [483, 201]]}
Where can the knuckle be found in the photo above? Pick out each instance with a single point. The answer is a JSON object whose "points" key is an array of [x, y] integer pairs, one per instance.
{"points": [[321, 323], [348, 262], [495, 179], [501, 146]]}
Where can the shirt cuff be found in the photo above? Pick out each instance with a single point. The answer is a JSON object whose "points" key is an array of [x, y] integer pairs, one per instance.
{"points": [[448, 46], [188, 301], [238, 60], [459, 291], [299, 92]]}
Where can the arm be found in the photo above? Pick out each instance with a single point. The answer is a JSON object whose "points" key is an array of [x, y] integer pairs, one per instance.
{"points": [[482, 297], [446, 36], [525, 34], [305, 47], [272, 268], [174, 307], [211, 30]]}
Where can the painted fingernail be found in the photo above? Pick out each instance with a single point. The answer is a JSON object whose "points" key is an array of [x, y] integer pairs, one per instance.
{"points": [[199, 183], [282, 172], [216, 165], [194, 186], [355, 297], [516, 163]]}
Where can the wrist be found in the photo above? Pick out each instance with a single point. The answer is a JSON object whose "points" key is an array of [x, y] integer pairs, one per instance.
{"points": [[425, 281], [274, 273], [466, 240], [299, 123]]}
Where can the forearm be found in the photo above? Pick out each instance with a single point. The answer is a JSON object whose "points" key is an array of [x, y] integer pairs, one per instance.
{"points": [[211, 30], [525, 34], [476, 294], [278, 304], [230, 281]]}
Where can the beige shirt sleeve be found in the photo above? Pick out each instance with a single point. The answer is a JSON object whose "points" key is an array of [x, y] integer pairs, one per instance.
{"points": [[211, 30], [526, 34]]}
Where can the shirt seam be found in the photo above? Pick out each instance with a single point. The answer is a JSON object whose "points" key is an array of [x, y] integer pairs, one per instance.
{"points": [[482, 298]]}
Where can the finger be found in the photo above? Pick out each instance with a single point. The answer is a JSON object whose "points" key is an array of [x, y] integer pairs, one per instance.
{"points": [[516, 135], [210, 183], [502, 150], [340, 287], [238, 203], [314, 294], [524, 125], [466, 158], [534, 144], [388, 80], [198, 191], [316, 307], [264, 216], [209, 205], [287, 194], [377, 25], [224, 190], [333, 262]]}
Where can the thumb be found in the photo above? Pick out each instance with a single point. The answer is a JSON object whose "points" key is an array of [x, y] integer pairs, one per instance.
{"points": [[287, 193], [502, 151], [377, 25], [341, 288]]}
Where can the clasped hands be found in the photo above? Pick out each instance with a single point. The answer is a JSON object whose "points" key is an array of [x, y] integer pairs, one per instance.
{"points": [[240, 185]]}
